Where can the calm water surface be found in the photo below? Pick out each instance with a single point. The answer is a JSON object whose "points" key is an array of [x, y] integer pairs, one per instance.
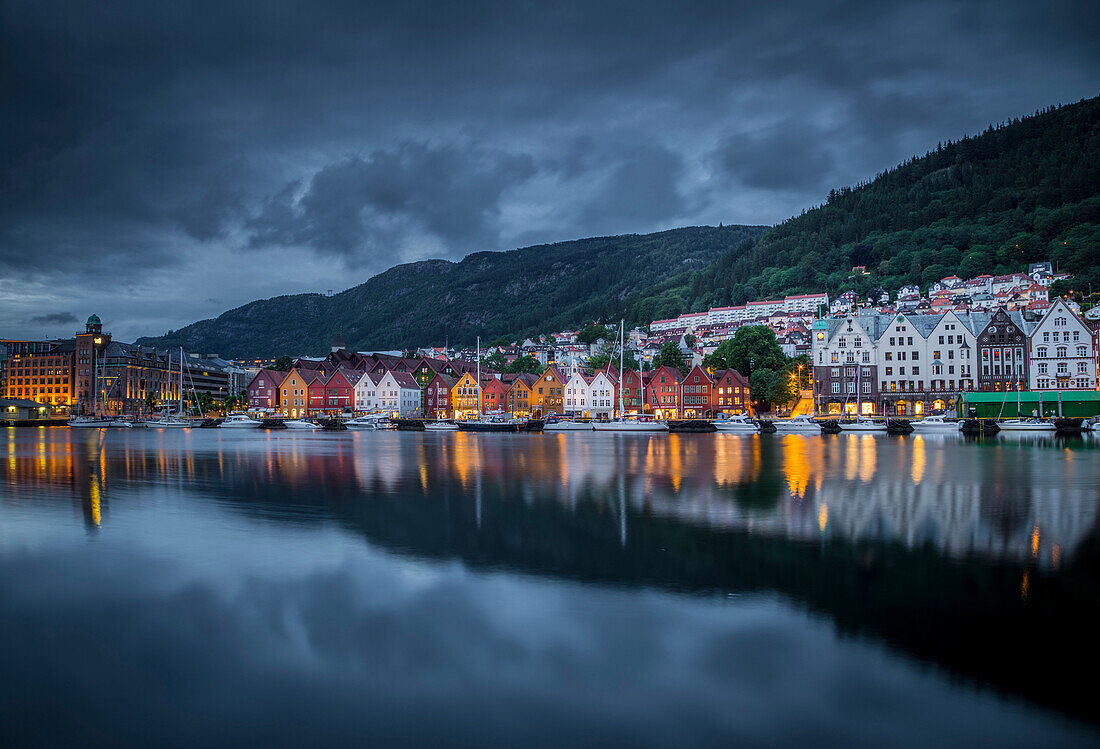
{"points": [[250, 588]]}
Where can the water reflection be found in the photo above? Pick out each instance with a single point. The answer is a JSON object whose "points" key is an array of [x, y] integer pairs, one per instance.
{"points": [[963, 554]]}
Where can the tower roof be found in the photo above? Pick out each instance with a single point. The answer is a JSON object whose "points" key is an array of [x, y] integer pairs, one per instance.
{"points": [[94, 320]]}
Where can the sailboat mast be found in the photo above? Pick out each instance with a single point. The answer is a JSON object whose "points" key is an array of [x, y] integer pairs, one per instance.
{"points": [[180, 409], [621, 342], [479, 377]]}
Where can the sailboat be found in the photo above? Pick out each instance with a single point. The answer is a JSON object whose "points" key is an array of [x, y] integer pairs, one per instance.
{"points": [[176, 420], [623, 422], [1020, 424]]}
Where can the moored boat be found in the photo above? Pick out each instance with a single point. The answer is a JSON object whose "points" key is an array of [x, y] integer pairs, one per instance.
{"points": [[935, 424], [1026, 425], [798, 425], [490, 424], [89, 422], [300, 424], [740, 423], [862, 424], [441, 426], [555, 424], [239, 421], [630, 424]]}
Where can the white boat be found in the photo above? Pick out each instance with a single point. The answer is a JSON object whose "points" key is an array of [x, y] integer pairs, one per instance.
{"points": [[300, 424], [630, 424], [740, 424], [798, 425], [862, 424], [441, 426], [554, 424], [1026, 425], [89, 422], [238, 421], [368, 422], [935, 424]]}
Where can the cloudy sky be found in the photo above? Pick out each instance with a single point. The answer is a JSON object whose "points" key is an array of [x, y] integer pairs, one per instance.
{"points": [[163, 162]]}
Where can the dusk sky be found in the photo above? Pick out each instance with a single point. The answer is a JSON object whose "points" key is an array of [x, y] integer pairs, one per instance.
{"points": [[161, 163]]}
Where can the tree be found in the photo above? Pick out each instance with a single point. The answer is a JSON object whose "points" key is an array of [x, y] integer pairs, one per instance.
{"points": [[690, 340], [151, 401], [592, 333], [598, 361], [760, 383], [408, 354], [802, 367], [752, 347], [495, 361], [524, 365], [501, 341], [283, 364], [783, 390], [671, 356]]}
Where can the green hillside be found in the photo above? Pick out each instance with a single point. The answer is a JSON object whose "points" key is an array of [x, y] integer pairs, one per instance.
{"points": [[1024, 191], [521, 292]]}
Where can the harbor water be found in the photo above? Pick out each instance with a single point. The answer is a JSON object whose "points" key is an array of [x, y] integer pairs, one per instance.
{"points": [[210, 587]]}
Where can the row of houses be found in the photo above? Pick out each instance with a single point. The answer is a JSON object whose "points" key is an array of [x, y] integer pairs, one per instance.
{"points": [[906, 364], [426, 387]]}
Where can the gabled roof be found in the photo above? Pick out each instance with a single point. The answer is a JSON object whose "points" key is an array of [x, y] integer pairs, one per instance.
{"points": [[405, 380]]}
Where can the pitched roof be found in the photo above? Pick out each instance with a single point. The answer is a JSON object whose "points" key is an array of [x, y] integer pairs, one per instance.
{"points": [[405, 380]]}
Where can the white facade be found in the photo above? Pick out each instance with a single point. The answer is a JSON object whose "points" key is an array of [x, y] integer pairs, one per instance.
{"points": [[1063, 351], [366, 392]]}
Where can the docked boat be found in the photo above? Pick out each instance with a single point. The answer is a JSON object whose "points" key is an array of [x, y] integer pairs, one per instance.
{"points": [[171, 422], [441, 426], [554, 424], [300, 424], [1026, 425], [89, 422], [798, 425], [490, 424], [630, 424], [238, 421], [740, 424], [935, 424], [369, 423], [862, 424]]}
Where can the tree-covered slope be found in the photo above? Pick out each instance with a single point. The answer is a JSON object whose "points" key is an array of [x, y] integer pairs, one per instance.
{"points": [[531, 290], [1027, 190]]}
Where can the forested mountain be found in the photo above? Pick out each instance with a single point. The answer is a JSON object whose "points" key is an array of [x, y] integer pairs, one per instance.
{"points": [[521, 292], [1024, 191]]}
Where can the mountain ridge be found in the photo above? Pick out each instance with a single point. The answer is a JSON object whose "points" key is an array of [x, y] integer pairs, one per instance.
{"points": [[523, 291]]}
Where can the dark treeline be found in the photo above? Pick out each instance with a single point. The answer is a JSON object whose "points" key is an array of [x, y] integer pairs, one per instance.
{"points": [[519, 293]]}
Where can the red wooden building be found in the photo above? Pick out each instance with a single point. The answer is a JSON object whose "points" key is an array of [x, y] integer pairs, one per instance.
{"points": [[663, 392], [263, 391]]}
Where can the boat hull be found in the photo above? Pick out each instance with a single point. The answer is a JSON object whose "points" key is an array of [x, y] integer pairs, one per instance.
{"points": [[567, 426], [880, 428], [474, 426], [1009, 427], [626, 426], [736, 428], [441, 427], [90, 424], [302, 425]]}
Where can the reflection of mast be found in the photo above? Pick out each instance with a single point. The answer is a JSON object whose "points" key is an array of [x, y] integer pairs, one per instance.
{"points": [[622, 510]]}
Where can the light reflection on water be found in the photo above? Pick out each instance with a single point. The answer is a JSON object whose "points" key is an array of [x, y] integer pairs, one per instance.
{"points": [[644, 589]]}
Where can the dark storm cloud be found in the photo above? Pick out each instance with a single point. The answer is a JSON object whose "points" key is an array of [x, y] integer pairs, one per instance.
{"points": [[164, 139], [55, 318], [367, 206], [786, 156]]}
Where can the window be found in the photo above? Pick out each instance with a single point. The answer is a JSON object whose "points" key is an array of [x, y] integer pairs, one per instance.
{"points": [[1081, 351], [1060, 352], [1046, 337], [889, 371], [836, 388], [915, 356]]}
